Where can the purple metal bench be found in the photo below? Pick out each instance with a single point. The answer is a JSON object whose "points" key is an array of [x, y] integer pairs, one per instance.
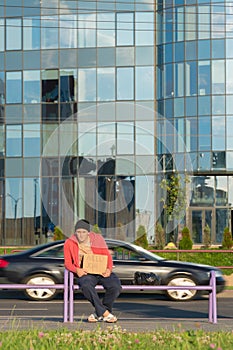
{"points": [[211, 287]]}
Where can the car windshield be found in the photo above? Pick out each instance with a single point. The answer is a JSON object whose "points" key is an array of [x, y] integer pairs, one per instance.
{"points": [[147, 252]]}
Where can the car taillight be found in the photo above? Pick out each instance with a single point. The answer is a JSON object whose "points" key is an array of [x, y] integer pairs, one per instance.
{"points": [[3, 263]]}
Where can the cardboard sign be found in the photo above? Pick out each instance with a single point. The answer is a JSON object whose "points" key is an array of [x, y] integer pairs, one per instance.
{"points": [[95, 263]]}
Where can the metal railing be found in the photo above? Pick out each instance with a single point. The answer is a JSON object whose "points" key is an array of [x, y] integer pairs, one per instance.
{"points": [[212, 312], [69, 287]]}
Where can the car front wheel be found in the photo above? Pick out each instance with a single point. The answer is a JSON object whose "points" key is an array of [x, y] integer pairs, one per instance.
{"points": [[181, 294], [40, 294]]}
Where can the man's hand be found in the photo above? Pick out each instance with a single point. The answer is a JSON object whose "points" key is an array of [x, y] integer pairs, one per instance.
{"points": [[107, 273], [81, 272]]}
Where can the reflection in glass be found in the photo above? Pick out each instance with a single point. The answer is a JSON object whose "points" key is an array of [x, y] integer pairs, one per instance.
{"points": [[31, 140], [144, 83], [13, 87], [125, 29], [87, 30], [105, 29], [68, 31], [2, 35], [31, 86], [125, 83], [31, 33], [13, 34], [105, 84], [125, 138], [49, 32], [87, 139], [144, 26], [14, 140], [218, 133], [87, 84], [106, 142]]}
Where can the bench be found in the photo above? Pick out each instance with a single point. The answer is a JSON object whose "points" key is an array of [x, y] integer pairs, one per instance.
{"points": [[212, 304]]}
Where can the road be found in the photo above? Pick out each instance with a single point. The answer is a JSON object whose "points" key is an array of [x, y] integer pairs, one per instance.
{"points": [[135, 313]]}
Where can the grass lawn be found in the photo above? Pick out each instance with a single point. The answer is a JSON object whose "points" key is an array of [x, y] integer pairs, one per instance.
{"points": [[114, 338]]}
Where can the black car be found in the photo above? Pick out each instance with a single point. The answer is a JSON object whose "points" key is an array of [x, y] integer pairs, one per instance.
{"points": [[44, 264]]}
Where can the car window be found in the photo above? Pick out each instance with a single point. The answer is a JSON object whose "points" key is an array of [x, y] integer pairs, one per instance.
{"points": [[55, 252], [122, 253]]}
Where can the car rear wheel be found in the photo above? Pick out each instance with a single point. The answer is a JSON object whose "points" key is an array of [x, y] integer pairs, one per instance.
{"points": [[40, 294], [181, 294]]}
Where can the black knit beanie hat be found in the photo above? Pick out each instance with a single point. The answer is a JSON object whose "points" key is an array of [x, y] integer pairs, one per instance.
{"points": [[84, 224]]}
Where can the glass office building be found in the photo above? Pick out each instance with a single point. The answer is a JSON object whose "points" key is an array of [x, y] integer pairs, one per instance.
{"points": [[102, 100]]}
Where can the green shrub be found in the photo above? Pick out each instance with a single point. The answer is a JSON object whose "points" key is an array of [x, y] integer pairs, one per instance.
{"points": [[185, 242], [58, 234], [96, 229], [141, 240], [159, 236], [227, 241], [206, 236]]}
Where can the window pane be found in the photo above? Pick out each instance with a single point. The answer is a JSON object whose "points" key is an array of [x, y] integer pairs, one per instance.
{"points": [[87, 84], [144, 83], [31, 86], [14, 140], [2, 36], [204, 131], [13, 34], [49, 32], [13, 87], [68, 31], [87, 30], [106, 139], [204, 77], [31, 140], [125, 26], [106, 84], [49, 85], [125, 138], [31, 33], [218, 77], [191, 78], [218, 131], [145, 138], [144, 26], [105, 29], [87, 139], [125, 84]]}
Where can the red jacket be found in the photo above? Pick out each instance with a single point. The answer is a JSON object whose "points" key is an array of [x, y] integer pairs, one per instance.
{"points": [[71, 251]]}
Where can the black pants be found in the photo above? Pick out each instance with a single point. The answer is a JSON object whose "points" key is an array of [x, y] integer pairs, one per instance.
{"points": [[112, 286]]}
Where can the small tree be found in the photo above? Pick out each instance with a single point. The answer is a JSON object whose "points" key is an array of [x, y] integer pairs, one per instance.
{"points": [[227, 242], [160, 238], [96, 229], [58, 234], [142, 240], [207, 236], [185, 242]]}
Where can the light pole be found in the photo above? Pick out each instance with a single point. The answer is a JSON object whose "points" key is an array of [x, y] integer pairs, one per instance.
{"points": [[15, 211]]}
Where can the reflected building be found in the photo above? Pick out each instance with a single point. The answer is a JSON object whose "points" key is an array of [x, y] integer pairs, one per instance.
{"points": [[100, 101]]}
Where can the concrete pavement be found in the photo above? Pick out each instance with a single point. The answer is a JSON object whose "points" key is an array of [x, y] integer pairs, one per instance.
{"points": [[127, 323]]}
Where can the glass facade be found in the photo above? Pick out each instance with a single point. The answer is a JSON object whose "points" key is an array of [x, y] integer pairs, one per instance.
{"points": [[194, 94], [102, 100]]}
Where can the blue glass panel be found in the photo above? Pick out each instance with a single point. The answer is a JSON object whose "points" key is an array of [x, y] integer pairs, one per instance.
{"points": [[179, 52], [191, 78], [204, 49], [204, 105], [13, 87], [204, 77], [31, 140], [191, 106], [14, 140], [218, 104], [204, 131], [218, 48], [168, 53], [144, 83], [125, 83], [105, 84], [229, 48], [31, 33], [191, 50]]}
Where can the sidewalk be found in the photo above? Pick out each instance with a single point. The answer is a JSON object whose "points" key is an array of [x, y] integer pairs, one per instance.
{"points": [[129, 324]]}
